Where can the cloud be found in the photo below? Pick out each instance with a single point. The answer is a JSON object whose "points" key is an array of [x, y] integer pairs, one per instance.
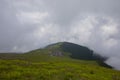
{"points": [[26, 25], [114, 61], [31, 17]]}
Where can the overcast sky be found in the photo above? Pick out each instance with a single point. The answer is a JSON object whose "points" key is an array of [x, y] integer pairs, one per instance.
{"points": [[30, 24]]}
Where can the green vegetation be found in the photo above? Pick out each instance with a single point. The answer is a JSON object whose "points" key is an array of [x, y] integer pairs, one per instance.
{"points": [[55, 70], [52, 63]]}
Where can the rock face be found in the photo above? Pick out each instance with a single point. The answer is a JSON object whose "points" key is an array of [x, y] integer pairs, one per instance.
{"points": [[56, 53]]}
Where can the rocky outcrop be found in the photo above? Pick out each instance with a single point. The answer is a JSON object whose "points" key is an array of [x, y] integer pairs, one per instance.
{"points": [[56, 53]]}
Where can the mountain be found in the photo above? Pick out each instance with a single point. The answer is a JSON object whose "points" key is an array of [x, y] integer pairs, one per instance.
{"points": [[71, 50], [75, 51], [59, 61], [59, 50]]}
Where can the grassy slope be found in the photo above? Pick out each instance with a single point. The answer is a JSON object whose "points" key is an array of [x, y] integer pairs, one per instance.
{"points": [[39, 65], [44, 67], [55, 70]]}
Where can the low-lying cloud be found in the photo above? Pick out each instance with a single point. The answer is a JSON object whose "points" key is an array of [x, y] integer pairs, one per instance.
{"points": [[26, 25]]}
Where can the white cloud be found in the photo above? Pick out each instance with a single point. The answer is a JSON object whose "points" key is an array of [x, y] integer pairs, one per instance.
{"points": [[114, 61], [32, 17], [110, 43], [109, 29]]}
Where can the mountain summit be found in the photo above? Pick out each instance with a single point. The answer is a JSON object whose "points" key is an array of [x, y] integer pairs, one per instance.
{"points": [[73, 50]]}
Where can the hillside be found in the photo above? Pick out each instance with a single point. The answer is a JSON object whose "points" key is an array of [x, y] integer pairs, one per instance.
{"points": [[75, 51], [59, 61]]}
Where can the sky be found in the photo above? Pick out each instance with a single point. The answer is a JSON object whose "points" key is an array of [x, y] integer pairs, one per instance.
{"points": [[30, 24]]}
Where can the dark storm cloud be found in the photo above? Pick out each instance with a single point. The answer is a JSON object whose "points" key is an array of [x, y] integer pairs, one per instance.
{"points": [[28, 24]]}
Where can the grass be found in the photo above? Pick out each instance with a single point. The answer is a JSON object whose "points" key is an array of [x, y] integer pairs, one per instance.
{"points": [[55, 70]]}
